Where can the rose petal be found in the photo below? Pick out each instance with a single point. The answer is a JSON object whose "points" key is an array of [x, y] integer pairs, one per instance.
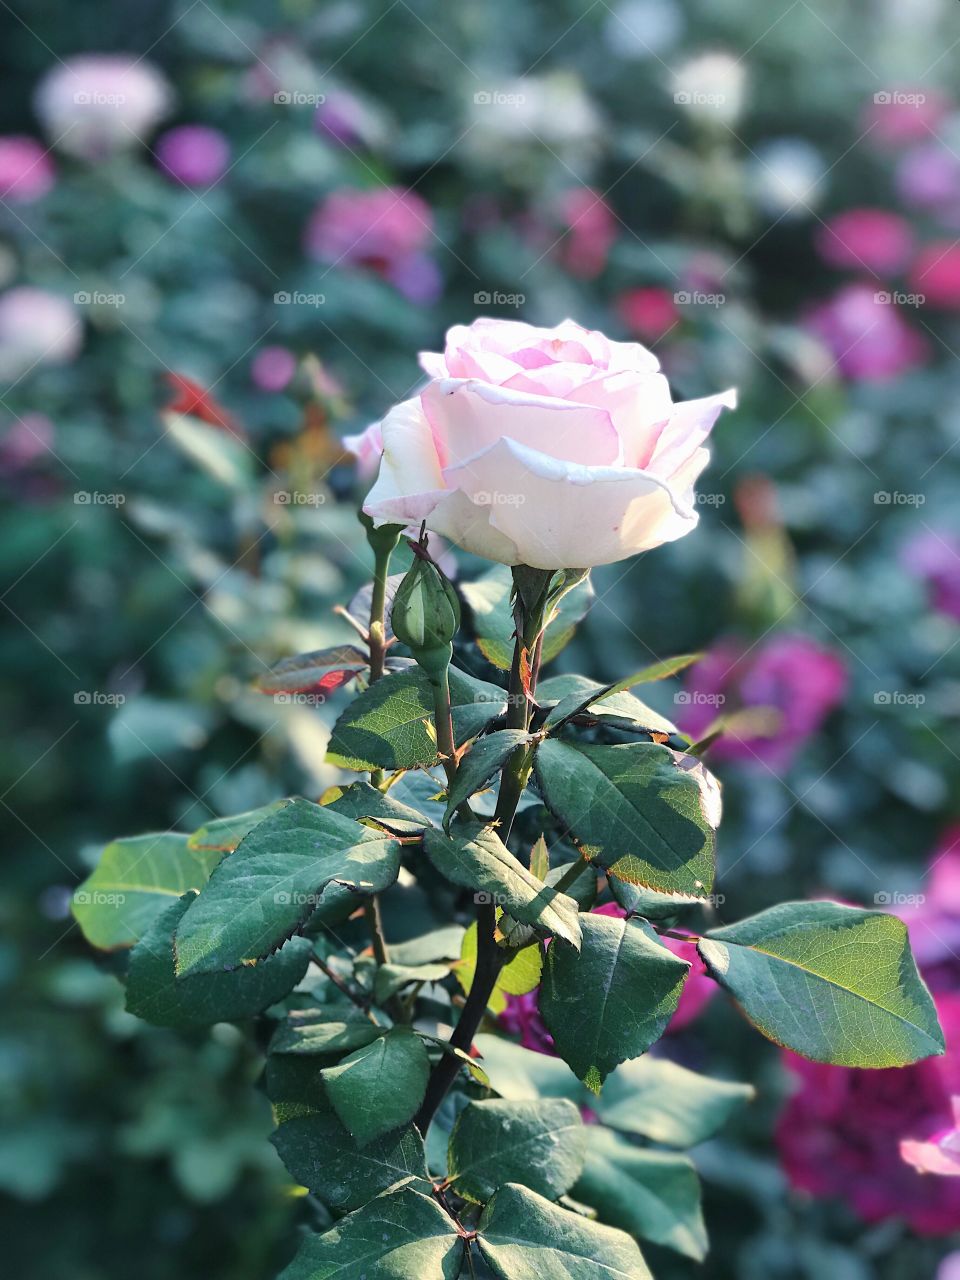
{"points": [[410, 481], [690, 423], [469, 416]]}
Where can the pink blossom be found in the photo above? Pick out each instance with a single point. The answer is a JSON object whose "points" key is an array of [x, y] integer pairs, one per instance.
{"points": [[934, 556], [904, 115], [193, 154], [873, 239], [648, 313], [866, 334], [99, 103], [384, 229], [801, 680], [936, 274], [26, 170], [839, 1135], [928, 177], [591, 230], [939, 1154], [273, 368], [348, 120], [36, 328], [366, 447], [24, 441]]}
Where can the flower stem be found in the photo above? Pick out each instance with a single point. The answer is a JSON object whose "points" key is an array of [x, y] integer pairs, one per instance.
{"points": [[572, 873]]}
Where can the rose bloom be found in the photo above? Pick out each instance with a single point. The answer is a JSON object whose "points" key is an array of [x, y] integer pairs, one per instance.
{"points": [[367, 448], [193, 154], [273, 368], [841, 1135], [26, 171], [870, 238], [96, 104], [869, 339], [934, 557], [591, 232], [649, 313], [902, 120], [928, 177], [546, 447], [936, 274], [36, 328], [384, 229], [800, 679], [521, 1017]]}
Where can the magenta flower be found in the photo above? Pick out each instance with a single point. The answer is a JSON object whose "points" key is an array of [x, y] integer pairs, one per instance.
{"points": [[839, 1135], [934, 557], [26, 170], [273, 368], [384, 229], [904, 115], [928, 177], [801, 680], [939, 1154], [590, 232], [866, 334], [193, 154], [936, 274], [648, 313], [869, 239]]}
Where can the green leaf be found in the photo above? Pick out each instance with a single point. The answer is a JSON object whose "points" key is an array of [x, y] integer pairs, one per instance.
{"points": [[219, 452], [489, 601], [614, 999], [136, 880], [619, 710], [222, 835], [401, 1235], [479, 860], [391, 978], [368, 804], [652, 1194], [836, 984], [260, 894], [390, 725], [484, 758], [379, 1087], [519, 975], [540, 1144], [326, 1031], [519, 1073], [321, 1155], [540, 859], [642, 810], [647, 902], [524, 1237], [575, 703], [155, 994], [319, 672], [657, 1099]]}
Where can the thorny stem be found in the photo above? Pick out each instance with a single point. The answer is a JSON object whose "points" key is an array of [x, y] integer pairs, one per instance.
{"points": [[490, 958], [572, 873]]}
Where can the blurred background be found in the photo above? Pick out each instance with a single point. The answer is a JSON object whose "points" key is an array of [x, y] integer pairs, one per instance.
{"points": [[225, 231]]}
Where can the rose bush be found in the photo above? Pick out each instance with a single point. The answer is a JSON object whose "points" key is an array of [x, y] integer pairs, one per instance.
{"points": [[546, 447]]}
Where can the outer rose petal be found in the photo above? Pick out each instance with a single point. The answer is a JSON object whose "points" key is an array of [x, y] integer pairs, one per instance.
{"points": [[690, 423], [468, 417], [410, 482], [558, 514]]}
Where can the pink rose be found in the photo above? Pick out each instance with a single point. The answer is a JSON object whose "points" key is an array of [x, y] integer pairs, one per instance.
{"points": [[936, 274], [649, 313], [273, 368], [904, 115], [591, 230], [546, 447], [866, 334], [797, 678], [934, 556], [383, 229], [194, 154], [26, 170], [36, 328], [869, 238], [366, 447]]}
